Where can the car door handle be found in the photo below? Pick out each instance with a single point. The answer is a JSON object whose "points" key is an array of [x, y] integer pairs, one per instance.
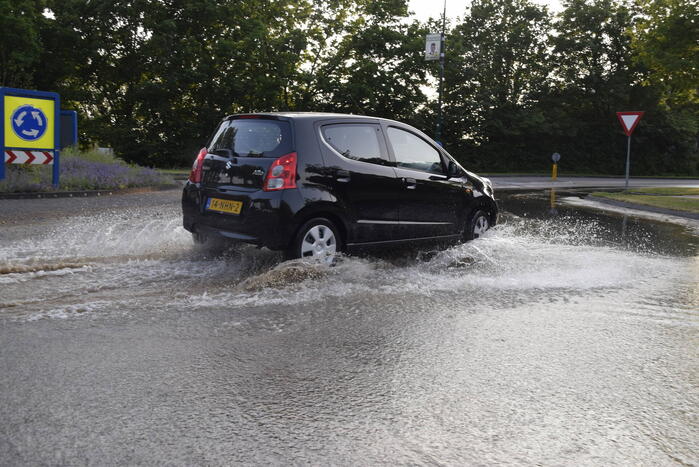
{"points": [[410, 183], [343, 176]]}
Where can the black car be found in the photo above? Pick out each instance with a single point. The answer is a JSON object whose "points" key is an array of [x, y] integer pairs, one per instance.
{"points": [[313, 184]]}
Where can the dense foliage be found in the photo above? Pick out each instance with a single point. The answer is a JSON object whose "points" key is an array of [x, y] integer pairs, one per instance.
{"points": [[151, 78]]}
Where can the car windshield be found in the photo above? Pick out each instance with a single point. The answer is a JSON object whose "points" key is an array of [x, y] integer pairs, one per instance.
{"points": [[253, 137]]}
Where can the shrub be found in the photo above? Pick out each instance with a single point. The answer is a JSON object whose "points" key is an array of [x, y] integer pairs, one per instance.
{"points": [[82, 170]]}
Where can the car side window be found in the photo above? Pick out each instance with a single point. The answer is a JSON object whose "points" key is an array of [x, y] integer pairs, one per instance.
{"points": [[358, 141], [412, 152]]}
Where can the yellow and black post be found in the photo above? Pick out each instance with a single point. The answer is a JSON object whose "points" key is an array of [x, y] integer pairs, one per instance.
{"points": [[555, 157]]}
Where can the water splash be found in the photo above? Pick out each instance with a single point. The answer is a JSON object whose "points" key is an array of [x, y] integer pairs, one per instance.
{"points": [[153, 265]]}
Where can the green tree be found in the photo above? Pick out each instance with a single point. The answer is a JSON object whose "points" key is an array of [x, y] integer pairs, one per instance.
{"points": [[496, 68], [20, 43], [594, 77], [598, 74], [665, 44], [153, 77], [367, 60], [665, 41]]}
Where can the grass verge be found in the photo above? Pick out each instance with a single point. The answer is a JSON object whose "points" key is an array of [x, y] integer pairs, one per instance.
{"points": [[667, 191], [184, 170], [677, 198], [82, 170]]}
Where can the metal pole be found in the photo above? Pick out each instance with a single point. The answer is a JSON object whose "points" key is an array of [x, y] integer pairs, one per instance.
{"points": [[57, 143], [56, 168], [628, 160], [2, 136], [438, 133]]}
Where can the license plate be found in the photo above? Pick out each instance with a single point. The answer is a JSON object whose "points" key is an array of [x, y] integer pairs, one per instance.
{"points": [[224, 205]]}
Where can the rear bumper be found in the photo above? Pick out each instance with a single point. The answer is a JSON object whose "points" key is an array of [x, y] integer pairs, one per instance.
{"points": [[264, 220]]}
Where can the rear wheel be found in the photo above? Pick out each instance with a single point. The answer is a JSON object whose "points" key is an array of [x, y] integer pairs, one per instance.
{"points": [[477, 224], [317, 240]]}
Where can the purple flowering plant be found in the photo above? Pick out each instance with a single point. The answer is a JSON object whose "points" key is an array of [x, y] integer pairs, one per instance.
{"points": [[82, 170]]}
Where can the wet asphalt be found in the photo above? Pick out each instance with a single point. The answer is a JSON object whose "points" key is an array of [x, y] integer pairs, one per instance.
{"points": [[566, 336]]}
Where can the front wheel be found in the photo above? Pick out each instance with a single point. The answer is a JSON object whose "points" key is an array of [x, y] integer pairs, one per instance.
{"points": [[317, 240], [477, 225]]}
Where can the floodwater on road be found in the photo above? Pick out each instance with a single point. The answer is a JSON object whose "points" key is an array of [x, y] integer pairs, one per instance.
{"points": [[564, 336]]}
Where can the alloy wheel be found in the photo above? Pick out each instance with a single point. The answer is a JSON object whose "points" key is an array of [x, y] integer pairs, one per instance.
{"points": [[319, 244], [480, 225]]}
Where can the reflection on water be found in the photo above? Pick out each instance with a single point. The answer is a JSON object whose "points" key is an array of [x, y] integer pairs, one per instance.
{"points": [[561, 337], [552, 202]]}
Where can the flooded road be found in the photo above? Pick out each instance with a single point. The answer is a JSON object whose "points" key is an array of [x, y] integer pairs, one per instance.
{"points": [[563, 337]]}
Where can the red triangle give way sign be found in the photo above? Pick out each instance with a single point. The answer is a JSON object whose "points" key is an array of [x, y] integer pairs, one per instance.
{"points": [[629, 120]]}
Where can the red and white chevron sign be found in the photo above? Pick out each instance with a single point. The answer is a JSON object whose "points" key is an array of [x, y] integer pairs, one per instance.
{"points": [[29, 157]]}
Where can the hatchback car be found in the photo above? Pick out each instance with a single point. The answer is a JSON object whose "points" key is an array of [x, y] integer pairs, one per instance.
{"points": [[315, 184]]}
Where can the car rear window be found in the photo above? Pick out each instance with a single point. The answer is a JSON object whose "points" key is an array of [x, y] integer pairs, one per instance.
{"points": [[253, 137]]}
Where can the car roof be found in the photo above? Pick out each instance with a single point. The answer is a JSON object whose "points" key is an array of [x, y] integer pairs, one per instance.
{"points": [[308, 115], [318, 116]]}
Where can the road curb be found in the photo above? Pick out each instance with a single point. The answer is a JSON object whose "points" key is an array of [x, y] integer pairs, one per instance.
{"points": [[85, 193], [564, 176], [643, 207]]}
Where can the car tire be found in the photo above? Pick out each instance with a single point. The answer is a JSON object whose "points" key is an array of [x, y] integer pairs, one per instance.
{"points": [[318, 240], [477, 224]]}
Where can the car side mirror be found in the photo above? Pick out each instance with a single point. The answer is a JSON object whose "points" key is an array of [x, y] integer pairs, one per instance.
{"points": [[453, 170]]}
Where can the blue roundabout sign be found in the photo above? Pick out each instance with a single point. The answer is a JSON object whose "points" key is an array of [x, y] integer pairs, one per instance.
{"points": [[29, 122]]}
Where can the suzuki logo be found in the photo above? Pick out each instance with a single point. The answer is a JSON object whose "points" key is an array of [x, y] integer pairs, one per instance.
{"points": [[229, 165]]}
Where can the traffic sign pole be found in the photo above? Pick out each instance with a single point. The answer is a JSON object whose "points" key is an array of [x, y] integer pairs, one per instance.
{"points": [[2, 141], [628, 161], [628, 121], [57, 143]]}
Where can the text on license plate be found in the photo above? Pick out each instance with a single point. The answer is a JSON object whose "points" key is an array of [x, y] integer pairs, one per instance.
{"points": [[224, 205]]}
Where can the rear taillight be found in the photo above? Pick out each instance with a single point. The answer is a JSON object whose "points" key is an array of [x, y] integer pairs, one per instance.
{"points": [[281, 174], [195, 176]]}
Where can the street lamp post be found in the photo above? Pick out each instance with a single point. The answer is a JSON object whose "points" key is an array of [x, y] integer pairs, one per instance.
{"points": [[438, 131]]}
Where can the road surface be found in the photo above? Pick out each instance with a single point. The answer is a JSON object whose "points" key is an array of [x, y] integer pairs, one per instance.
{"points": [[564, 337]]}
